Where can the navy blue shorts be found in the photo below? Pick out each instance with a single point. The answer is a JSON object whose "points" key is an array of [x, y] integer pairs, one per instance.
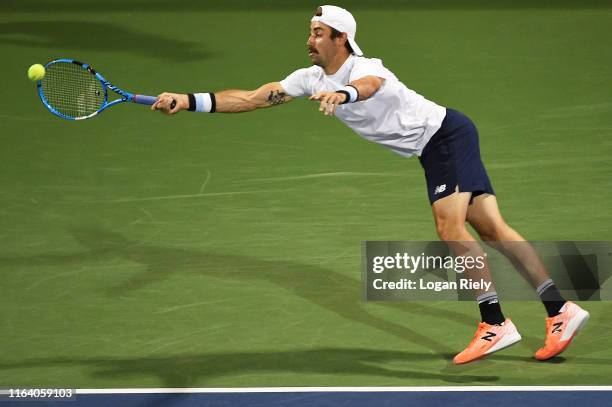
{"points": [[451, 158]]}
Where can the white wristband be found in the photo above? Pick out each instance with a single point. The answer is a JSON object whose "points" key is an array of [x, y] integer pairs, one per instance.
{"points": [[205, 102], [353, 95]]}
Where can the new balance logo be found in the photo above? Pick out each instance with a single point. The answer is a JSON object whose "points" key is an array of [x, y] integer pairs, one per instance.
{"points": [[439, 189], [489, 336], [557, 327]]}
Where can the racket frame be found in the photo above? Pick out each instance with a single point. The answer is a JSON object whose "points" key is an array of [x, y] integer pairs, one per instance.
{"points": [[106, 85]]}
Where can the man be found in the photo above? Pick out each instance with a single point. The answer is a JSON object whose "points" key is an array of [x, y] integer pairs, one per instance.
{"points": [[371, 100]]}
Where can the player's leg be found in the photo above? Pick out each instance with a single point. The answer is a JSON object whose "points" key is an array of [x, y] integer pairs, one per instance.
{"points": [[565, 319], [495, 332], [454, 173], [484, 216]]}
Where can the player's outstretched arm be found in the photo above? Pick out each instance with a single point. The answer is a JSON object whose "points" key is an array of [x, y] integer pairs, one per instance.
{"points": [[356, 91], [226, 101], [234, 101]]}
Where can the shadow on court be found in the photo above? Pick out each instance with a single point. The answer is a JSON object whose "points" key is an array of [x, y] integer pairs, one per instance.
{"points": [[74, 36], [194, 370], [326, 288]]}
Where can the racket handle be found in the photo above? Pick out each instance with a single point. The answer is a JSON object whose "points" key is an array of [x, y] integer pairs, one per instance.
{"points": [[144, 100]]}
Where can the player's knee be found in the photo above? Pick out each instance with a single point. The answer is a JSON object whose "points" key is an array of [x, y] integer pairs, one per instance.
{"points": [[488, 234], [451, 231], [497, 232]]}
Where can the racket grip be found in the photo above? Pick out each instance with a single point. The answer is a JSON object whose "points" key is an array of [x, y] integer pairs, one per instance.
{"points": [[144, 100]]}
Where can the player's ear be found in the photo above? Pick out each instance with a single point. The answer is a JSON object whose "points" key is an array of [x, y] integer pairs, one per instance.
{"points": [[344, 38]]}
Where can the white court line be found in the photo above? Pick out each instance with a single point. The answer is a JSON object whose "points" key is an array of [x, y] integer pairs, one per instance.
{"points": [[342, 389], [195, 304], [160, 198], [329, 174]]}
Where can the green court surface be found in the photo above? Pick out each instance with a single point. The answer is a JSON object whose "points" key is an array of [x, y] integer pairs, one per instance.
{"points": [[139, 250]]}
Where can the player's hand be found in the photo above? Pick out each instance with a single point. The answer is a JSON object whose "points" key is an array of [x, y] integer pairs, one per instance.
{"points": [[171, 103], [328, 101]]}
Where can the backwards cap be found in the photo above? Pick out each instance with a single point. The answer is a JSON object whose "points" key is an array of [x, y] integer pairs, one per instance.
{"points": [[341, 20]]}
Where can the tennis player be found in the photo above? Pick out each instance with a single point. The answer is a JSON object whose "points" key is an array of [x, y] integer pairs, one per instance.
{"points": [[376, 105]]}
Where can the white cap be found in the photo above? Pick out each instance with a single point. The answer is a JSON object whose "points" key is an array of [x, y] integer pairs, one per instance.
{"points": [[341, 20]]}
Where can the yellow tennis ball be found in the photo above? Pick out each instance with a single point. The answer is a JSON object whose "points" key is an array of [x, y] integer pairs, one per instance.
{"points": [[36, 72]]}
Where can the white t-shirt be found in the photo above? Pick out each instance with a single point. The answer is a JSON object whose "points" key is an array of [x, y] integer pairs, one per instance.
{"points": [[395, 116]]}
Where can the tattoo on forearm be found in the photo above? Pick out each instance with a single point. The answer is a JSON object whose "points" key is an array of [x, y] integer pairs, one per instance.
{"points": [[276, 98]]}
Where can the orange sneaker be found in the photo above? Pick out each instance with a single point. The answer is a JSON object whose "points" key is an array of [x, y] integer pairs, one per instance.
{"points": [[561, 330], [489, 339]]}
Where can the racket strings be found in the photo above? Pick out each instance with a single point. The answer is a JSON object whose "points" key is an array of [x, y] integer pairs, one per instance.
{"points": [[71, 90]]}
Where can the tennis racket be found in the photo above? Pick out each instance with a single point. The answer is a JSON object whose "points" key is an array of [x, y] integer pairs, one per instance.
{"points": [[73, 90]]}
